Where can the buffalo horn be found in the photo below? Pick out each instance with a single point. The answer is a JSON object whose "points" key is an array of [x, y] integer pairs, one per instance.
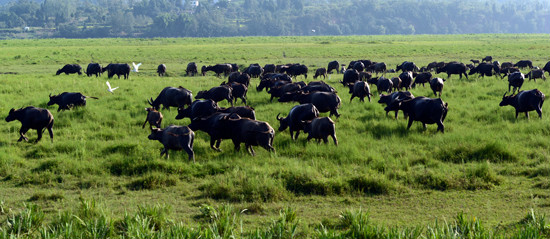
{"points": [[279, 118]]}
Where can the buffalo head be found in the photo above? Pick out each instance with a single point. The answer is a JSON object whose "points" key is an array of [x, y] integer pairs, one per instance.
{"points": [[284, 123], [11, 115], [506, 100]]}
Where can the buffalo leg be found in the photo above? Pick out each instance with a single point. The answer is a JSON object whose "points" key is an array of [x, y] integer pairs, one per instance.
{"points": [[212, 141], [50, 131], [350, 99], [440, 127], [325, 139], [164, 152], [527, 114], [237, 145], [539, 111], [189, 149], [334, 138], [424, 126], [39, 132], [410, 123], [517, 113], [22, 132], [296, 135], [144, 123]]}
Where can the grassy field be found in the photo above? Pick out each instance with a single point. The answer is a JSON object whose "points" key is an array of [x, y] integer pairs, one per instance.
{"points": [[487, 165]]}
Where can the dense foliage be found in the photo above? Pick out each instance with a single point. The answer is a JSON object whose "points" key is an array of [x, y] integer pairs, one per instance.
{"points": [[177, 18]]}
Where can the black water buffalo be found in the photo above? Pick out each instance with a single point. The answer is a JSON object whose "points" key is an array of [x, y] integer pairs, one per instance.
{"points": [[390, 98], [421, 78], [525, 101], [320, 86], [217, 94], [396, 83], [431, 66], [269, 68], [238, 77], [191, 69], [295, 118], [487, 59], [243, 111], [297, 69], [524, 64], [199, 108], [451, 68], [359, 89], [436, 84], [425, 110], [350, 76], [406, 80], [359, 66], [117, 69], [507, 71], [382, 84], [484, 69], [70, 69], [280, 90], [365, 75], [270, 80], [475, 61], [172, 96], [248, 131], [94, 69], [320, 72], [536, 74], [379, 67], [211, 125], [324, 101], [333, 65], [161, 69], [515, 80], [238, 91], [32, 118], [218, 69], [407, 66], [175, 138], [154, 118], [320, 128], [66, 100], [342, 69], [546, 67], [507, 64], [254, 70]]}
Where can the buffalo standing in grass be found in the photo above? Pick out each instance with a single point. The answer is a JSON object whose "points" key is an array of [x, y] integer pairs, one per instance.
{"points": [[421, 78], [161, 69], [515, 80], [117, 69], [295, 118], [379, 67], [242, 111], [390, 98], [525, 101], [199, 108], [248, 131], [406, 80], [175, 138], [350, 76], [324, 101], [359, 89], [487, 59], [32, 118], [407, 66], [94, 69], [436, 84], [320, 72], [238, 77], [66, 100], [484, 69], [70, 69], [212, 126], [269, 68], [238, 91], [218, 69], [154, 118], [254, 70], [451, 68], [524, 64], [191, 69], [172, 97], [217, 94], [425, 110], [536, 74], [320, 128], [546, 67], [333, 65]]}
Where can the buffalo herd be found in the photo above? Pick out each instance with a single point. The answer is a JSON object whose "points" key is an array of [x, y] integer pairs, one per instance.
{"points": [[239, 123]]}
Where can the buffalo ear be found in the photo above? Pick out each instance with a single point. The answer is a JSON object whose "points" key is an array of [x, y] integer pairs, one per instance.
{"points": [[12, 110]]}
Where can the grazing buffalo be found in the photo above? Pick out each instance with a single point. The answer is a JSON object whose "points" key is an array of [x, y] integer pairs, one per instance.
{"points": [[333, 65], [396, 83], [324, 101], [199, 108], [359, 89], [453, 68], [475, 61], [280, 90], [507, 64], [295, 70], [238, 77], [425, 110], [406, 80], [524, 64], [217, 94], [484, 69], [94, 69], [487, 59], [238, 91], [350, 76], [535, 74], [218, 69], [407, 66], [254, 70], [546, 67], [317, 86], [364, 75], [431, 66], [117, 69], [211, 125], [269, 68], [525, 101], [191, 69], [172, 96], [161, 69], [271, 80], [359, 66], [382, 84], [32, 118], [390, 98], [70, 69], [154, 118], [320, 72], [421, 78], [295, 118], [320, 128], [175, 138], [248, 131], [66, 100], [436, 84], [507, 71], [516, 80], [243, 111], [379, 67]]}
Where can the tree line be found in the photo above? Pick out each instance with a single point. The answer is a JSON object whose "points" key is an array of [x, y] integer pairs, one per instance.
{"points": [[223, 18]]}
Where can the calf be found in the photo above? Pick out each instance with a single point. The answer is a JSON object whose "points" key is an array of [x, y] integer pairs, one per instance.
{"points": [[390, 98], [359, 89], [536, 73], [320, 128], [161, 69], [217, 94], [525, 101], [68, 99], [475, 61], [176, 138], [153, 117], [70, 69], [436, 84], [320, 72], [297, 115], [32, 118], [191, 69], [425, 110], [516, 80]]}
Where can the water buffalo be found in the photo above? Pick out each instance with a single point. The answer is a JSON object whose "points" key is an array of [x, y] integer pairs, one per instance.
{"points": [[191, 69], [172, 96], [32, 118], [117, 69], [238, 91], [407, 66], [280, 90], [453, 68], [475, 61], [406, 80], [243, 111], [425, 110], [524, 64], [320, 72], [270, 80], [390, 98], [297, 69], [317, 86], [70, 69], [507, 71], [487, 59], [154, 118], [320, 128], [217, 94], [161, 69], [66, 100], [248, 131], [431, 66], [546, 67], [396, 83], [359, 89], [324, 101], [536, 73], [516, 80], [350, 76], [94, 69], [436, 84], [211, 125], [484, 69], [199, 108], [269, 68], [254, 70], [421, 78], [333, 65], [175, 138], [359, 66], [379, 67], [242, 78], [295, 118], [525, 101], [507, 64], [218, 69]]}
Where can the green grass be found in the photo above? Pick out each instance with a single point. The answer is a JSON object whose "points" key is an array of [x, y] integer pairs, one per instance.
{"points": [[487, 164]]}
